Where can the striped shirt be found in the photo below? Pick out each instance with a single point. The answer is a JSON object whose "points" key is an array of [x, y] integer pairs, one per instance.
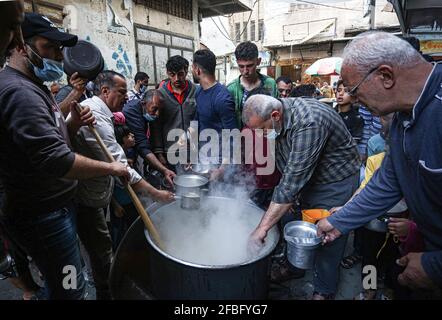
{"points": [[314, 147], [372, 126], [133, 94]]}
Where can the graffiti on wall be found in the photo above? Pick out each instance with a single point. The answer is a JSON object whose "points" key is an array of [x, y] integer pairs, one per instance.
{"points": [[122, 62], [115, 20]]}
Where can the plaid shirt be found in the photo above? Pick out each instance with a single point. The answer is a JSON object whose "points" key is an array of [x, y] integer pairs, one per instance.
{"points": [[314, 147]]}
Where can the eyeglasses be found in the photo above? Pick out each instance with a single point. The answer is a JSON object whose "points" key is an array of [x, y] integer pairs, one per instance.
{"points": [[352, 92]]}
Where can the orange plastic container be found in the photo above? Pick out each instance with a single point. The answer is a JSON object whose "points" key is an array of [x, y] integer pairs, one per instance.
{"points": [[313, 215]]}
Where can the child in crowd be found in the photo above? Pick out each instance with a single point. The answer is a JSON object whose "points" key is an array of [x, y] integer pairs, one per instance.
{"points": [[123, 212], [353, 121]]}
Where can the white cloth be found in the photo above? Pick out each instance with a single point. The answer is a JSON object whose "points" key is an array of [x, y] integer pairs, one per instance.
{"points": [[100, 189], [133, 94]]}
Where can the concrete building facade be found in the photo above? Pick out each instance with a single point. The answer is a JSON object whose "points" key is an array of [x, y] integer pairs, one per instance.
{"points": [[135, 35], [293, 34]]}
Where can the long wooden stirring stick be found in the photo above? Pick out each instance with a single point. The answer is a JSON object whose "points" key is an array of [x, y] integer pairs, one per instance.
{"points": [[138, 205]]}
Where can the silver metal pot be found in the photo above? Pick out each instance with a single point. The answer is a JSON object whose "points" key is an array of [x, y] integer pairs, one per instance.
{"points": [[190, 184], [190, 201], [378, 225], [302, 243], [143, 271], [203, 169], [5, 263]]}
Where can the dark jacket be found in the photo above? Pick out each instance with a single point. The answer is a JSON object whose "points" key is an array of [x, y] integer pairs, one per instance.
{"points": [[133, 111], [34, 151], [172, 116]]}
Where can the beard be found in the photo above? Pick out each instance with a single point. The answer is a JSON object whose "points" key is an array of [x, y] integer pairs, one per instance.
{"points": [[196, 79]]}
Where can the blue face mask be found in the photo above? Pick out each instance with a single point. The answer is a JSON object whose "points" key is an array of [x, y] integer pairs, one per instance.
{"points": [[273, 134], [149, 118], [143, 88], [52, 70]]}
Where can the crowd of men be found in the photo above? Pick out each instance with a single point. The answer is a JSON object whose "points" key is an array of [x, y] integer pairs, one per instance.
{"points": [[58, 184]]}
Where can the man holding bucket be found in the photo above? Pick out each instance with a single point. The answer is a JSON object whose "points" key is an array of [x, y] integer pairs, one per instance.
{"points": [[411, 87], [320, 167]]}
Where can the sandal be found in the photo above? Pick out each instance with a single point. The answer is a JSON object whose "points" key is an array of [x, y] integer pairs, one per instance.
{"points": [[282, 272], [319, 296], [366, 295], [388, 294], [350, 261]]}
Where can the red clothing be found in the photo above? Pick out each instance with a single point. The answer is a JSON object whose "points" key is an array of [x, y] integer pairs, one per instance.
{"points": [[413, 242], [262, 181], [178, 96]]}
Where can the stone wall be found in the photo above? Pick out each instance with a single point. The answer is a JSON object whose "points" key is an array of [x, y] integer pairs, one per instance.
{"points": [[109, 24]]}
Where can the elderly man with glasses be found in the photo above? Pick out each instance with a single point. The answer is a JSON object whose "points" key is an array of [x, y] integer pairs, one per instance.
{"points": [[388, 75]]}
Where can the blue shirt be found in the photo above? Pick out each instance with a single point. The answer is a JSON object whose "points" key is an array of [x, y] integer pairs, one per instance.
{"points": [[375, 145], [215, 108], [413, 170], [372, 126]]}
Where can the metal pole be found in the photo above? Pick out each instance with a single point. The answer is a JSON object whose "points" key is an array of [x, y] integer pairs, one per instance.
{"points": [[372, 14]]}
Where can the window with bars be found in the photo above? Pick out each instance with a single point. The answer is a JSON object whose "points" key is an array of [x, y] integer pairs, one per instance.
{"points": [[53, 11], [261, 29], [252, 31], [244, 32], [178, 8], [238, 32]]}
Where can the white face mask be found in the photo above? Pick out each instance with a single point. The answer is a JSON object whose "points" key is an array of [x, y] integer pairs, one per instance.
{"points": [[273, 134]]}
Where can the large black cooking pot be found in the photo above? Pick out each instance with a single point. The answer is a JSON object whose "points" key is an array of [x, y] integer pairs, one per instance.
{"points": [[141, 270], [84, 58]]}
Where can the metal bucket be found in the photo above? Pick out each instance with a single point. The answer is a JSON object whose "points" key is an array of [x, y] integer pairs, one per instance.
{"points": [[190, 201], [190, 184], [378, 225], [302, 243]]}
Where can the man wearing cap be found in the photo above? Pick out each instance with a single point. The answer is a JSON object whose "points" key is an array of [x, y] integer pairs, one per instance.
{"points": [[37, 166]]}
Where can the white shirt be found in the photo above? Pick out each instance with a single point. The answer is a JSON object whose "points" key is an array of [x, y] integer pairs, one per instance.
{"points": [[133, 94], [97, 192]]}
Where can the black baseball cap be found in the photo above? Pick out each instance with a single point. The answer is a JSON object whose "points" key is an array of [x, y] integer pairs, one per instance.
{"points": [[37, 25]]}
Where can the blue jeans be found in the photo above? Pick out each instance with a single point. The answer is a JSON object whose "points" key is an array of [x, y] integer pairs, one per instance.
{"points": [[51, 240], [328, 257]]}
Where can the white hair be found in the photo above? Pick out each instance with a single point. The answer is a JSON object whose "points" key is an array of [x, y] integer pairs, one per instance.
{"points": [[374, 48], [260, 105]]}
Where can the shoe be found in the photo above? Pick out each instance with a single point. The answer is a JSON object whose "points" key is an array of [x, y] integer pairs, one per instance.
{"points": [[350, 261], [320, 296], [366, 295], [40, 294], [387, 294], [282, 272]]}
